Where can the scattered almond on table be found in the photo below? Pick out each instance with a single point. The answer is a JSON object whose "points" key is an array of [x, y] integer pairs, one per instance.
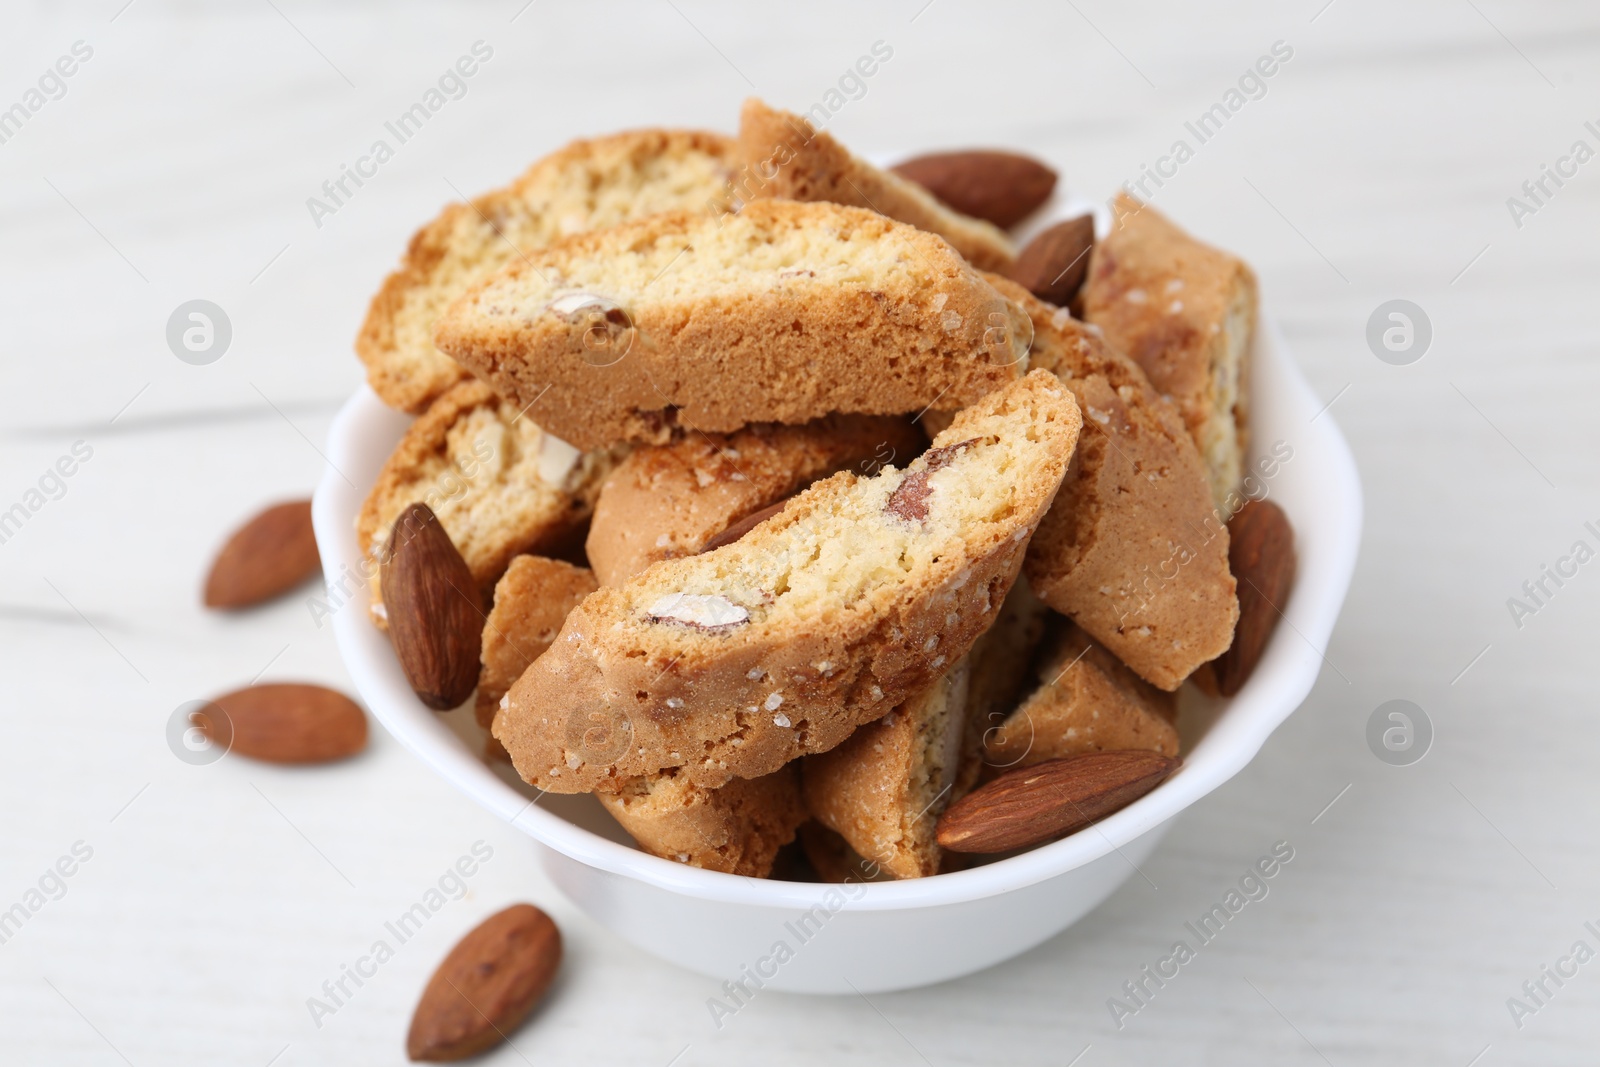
{"points": [[265, 558], [285, 722], [486, 986]]}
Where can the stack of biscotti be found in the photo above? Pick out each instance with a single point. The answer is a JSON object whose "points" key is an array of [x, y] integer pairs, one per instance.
{"points": [[501, 484], [793, 515]]}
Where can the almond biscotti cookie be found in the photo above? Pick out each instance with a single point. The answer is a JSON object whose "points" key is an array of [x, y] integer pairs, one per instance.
{"points": [[832, 858], [498, 483], [1087, 702], [885, 787], [859, 593], [1001, 662], [531, 601], [782, 155], [1186, 313], [785, 312], [736, 828], [668, 501], [1133, 549], [588, 185]]}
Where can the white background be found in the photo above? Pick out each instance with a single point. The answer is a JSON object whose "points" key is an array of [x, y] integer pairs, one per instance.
{"points": [[1377, 166]]}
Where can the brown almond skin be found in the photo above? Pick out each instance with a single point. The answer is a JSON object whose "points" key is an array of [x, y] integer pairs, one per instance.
{"points": [[486, 986], [265, 558], [1001, 187], [739, 527], [1053, 265], [1261, 555], [1032, 805], [286, 722], [434, 609]]}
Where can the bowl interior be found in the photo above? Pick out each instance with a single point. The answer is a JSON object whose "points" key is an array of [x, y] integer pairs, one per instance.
{"points": [[1315, 482]]}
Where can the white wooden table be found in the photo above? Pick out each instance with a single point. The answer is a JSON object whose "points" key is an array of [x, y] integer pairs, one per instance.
{"points": [[176, 165]]}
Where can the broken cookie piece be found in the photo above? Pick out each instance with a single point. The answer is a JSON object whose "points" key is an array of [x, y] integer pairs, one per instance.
{"points": [[884, 788], [736, 828], [1186, 313], [1087, 702], [680, 499]]}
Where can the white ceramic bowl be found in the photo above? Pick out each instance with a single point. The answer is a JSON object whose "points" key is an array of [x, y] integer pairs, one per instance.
{"points": [[880, 936]]}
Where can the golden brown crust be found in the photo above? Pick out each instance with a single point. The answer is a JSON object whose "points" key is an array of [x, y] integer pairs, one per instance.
{"points": [[531, 601], [1002, 662], [782, 155], [736, 828], [499, 484], [1186, 313], [1087, 702], [1133, 548], [817, 621], [588, 184], [668, 501], [832, 858], [884, 788], [785, 312]]}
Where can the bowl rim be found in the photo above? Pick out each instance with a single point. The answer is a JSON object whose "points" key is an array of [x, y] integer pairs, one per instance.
{"points": [[1324, 497]]}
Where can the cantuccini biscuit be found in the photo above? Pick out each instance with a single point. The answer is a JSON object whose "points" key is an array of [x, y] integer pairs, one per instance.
{"points": [[783, 155], [587, 185], [1087, 701], [1186, 313], [884, 788], [531, 601], [1001, 662], [1133, 548], [668, 501], [858, 594], [832, 858], [785, 312], [736, 828], [498, 483]]}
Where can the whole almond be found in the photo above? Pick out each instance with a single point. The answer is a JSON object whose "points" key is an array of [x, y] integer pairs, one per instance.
{"points": [[285, 722], [1032, 805], [434, 609], [1261, 555], [1053, 265], [486, 985], [266, 557], [1002, 187]]}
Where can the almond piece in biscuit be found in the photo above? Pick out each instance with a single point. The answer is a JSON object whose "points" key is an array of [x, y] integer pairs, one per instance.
{"points": [[499, 485], [785, 312], [736, 828], [1186, 313], [588, 185], [783, 155], [531, 601], [1133, 549], [860, 593], [668, 501], [1087, 702], [884, 788]]}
